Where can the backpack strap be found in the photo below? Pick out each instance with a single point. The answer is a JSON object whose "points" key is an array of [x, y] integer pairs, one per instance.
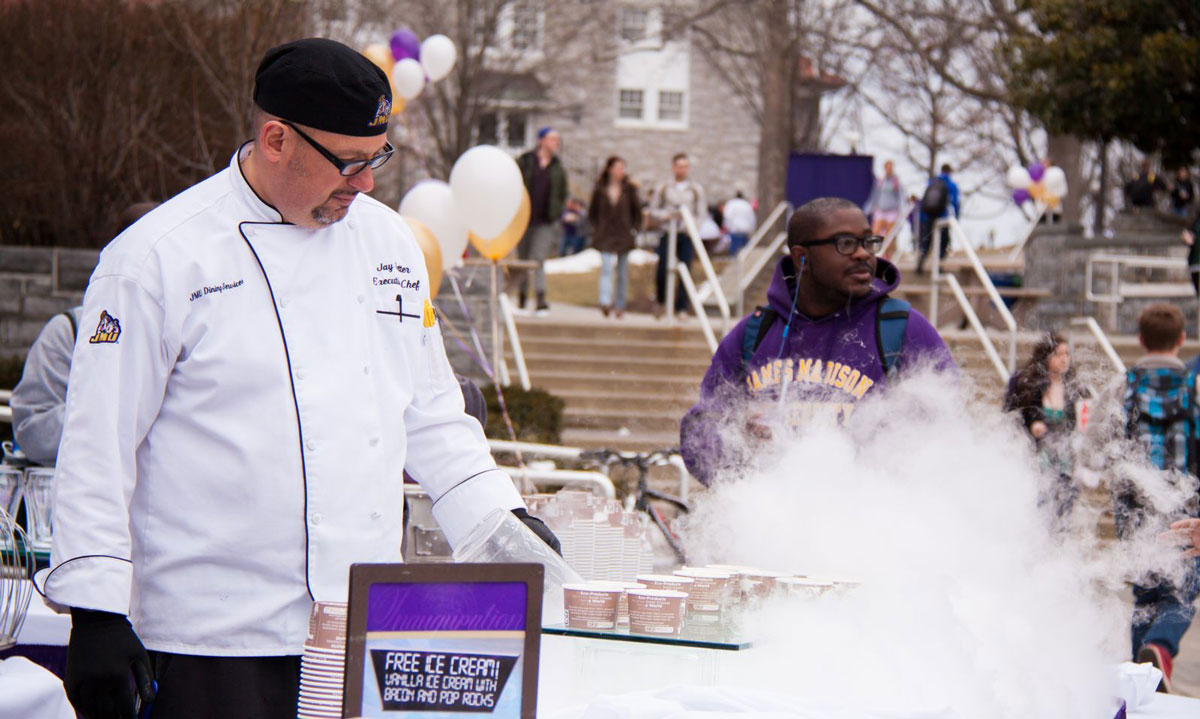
{"points": [[891, 320], [756, 332]]}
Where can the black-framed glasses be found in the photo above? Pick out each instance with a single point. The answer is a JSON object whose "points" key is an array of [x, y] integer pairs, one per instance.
{"points": [[847, 244], [347, 169]]}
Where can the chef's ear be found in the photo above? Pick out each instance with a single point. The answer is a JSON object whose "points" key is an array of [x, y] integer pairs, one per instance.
{"points": [[271, 137]]}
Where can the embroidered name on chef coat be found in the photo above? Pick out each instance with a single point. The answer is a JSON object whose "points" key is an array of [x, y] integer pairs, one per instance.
{"points": [[108, 331], [393, 273]]}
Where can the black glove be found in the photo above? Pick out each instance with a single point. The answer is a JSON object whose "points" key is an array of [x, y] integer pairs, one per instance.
{"points": [[105, 661], [539, 528]]}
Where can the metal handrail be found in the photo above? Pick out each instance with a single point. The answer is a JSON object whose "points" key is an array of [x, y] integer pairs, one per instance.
{"points": [[973, 319], [694, 297], [763, 259], [1020, 246], [906, 208], [762, 230], [984, 279], [743, 280], [1116, 262], [1094, 327], [554, 451], [693, 232], [510, 324]]}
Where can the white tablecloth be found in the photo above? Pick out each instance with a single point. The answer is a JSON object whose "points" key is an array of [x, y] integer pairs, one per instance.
{"points": [[28, 691], [43, 626]]}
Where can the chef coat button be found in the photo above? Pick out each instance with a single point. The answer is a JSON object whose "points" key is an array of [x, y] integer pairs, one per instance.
{"points": [[316, 518], [376, 515], [299, 374], [366, 369], [361, 299], [282, 302], [374, 441], [311, 445]]}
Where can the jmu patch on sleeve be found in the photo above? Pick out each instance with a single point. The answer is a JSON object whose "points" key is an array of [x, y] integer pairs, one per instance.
{"points": [[108, 331]]}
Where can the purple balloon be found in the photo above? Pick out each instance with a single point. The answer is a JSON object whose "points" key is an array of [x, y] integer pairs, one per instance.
{"points": [[1020, 196], [405, 43], [1036, 170]]}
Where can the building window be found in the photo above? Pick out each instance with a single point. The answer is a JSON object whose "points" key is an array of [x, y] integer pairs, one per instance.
{"points": [[632, 25], [517, 123], [525, 34], [489, 125], [631, 104], [670, 105]]}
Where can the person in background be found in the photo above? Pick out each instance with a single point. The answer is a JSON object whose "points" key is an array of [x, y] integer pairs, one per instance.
{"points": [[710, 230], [40, 398], [1162, 415], [614, 214], [739, 222], [1183, 192], [1044, 393], [575, 228], [1189, 236], [884, 203], [1142, 190], [546, 180], [670, 196], [941, 196], [829, 337]]}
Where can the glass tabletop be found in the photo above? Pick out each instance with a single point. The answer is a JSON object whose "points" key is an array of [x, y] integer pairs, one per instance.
{"points": [[714, 636]]}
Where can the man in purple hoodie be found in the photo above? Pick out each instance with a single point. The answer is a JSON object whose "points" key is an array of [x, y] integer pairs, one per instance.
{"points": [[829, 337]]}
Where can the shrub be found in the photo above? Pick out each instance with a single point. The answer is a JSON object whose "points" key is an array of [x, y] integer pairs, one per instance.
{"points": [[536, 414]]}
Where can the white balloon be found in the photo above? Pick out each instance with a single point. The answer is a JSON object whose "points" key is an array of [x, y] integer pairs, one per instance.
{"points": [[1018, 178], [409, 78], [431, 202], [487, 185], [1055, 182], [438, 55]]}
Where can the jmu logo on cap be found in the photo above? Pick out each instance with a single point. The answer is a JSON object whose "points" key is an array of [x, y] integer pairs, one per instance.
{"points": [[382, 112], [108, 331]]}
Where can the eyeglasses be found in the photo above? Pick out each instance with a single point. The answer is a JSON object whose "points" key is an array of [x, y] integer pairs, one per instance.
{"points": [[847, 244], [347, 169]]}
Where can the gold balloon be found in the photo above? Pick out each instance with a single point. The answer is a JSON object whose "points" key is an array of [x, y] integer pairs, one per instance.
{"points": [[497, 247], [1037, 192], [432, 252], [381, 55]]}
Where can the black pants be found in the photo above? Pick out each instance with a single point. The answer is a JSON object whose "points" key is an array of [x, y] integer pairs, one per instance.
{"points": [[683, 253], [927, 240], [194, 687]]}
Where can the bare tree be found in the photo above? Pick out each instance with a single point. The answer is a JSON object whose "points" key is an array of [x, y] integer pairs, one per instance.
{"points": [[510, 53], [109, 102]]}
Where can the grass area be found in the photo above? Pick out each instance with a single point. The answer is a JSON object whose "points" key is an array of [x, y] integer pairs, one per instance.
{"points": [[581, 288]]}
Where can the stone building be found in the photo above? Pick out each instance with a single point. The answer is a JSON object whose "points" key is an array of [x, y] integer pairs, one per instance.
{"points": [[646, 93]]}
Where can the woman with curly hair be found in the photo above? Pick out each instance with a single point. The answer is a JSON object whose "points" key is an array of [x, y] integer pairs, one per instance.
{"points": [[1044, 393]]}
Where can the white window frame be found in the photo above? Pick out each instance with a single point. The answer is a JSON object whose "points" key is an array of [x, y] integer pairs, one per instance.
{"points": [[629, 10], [658, 116], [641, 118]]}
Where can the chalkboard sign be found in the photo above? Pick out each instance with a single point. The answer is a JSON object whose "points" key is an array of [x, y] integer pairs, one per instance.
{"points": [[441, 641]]}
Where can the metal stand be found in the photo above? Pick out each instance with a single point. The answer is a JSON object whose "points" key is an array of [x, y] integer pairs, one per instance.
{"points": [[493, 305], [669, 294]]}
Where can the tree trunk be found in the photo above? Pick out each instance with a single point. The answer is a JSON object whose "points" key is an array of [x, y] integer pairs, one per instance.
{"points": [[1066, 152], [778, 72], [1102, 196]]}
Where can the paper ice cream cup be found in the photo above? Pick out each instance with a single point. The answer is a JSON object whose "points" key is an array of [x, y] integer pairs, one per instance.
{"points": [[591, 605], [668, 582], [709, 591], [656, 611]]}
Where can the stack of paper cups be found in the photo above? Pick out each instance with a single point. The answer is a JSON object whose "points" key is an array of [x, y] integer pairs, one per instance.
{"points": [[323, 665]]}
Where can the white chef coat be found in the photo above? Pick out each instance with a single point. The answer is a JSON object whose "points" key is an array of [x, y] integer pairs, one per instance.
{"points": [[238, 442]]}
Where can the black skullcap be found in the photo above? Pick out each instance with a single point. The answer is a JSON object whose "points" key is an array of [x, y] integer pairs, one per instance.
{"points": [[325, 85]]}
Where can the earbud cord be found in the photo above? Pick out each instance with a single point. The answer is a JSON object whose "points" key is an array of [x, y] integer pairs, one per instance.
{"points": [[788, 326]]}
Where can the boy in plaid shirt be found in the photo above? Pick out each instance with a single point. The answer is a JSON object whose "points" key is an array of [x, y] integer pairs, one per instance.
{"points": [[1161, 412]]}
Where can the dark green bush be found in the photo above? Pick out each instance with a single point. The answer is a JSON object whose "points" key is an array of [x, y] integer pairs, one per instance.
{"points": [[536, 414]]}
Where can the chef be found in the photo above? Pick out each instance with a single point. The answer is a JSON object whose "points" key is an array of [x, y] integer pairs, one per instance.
{"points": [[257, 361]]}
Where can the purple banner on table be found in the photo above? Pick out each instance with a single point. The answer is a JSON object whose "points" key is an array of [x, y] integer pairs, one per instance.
{"points": [[437, 607]]}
